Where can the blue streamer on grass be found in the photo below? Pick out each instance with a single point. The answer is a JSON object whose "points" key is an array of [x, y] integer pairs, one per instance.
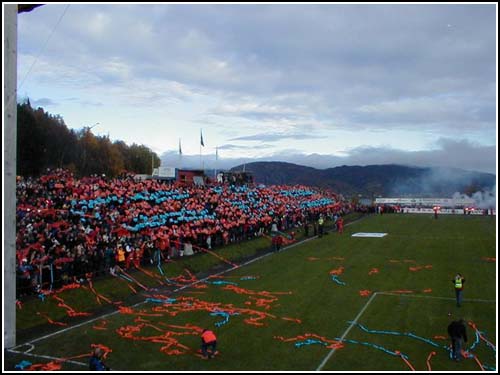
{"points": [[126, 278], [399, 334], [226, 316], [337, 280], [476, 341], [158, 300], [378, 347], [221, 282], [298, 344], [23, 364]]}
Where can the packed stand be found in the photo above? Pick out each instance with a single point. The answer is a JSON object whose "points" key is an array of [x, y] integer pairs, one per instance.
{"points": [[68, 228]]}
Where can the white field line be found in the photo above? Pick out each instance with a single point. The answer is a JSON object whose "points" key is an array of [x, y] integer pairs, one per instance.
{"points": [[48, 357], [398, 295], [347, 331], [434, 297]]}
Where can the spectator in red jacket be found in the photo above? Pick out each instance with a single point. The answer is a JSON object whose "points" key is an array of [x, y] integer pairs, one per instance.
{"points": [[208, 340]]}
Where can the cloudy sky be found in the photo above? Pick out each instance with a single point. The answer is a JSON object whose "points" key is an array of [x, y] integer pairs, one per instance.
{"points": [[320, 85]]}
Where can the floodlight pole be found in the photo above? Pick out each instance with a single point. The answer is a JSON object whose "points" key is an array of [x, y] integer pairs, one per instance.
{"points": [[10, 143]]}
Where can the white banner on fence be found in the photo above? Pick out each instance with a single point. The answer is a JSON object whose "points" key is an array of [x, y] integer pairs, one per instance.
{"points": [[448, 211], [166, 172], [443, 202]]}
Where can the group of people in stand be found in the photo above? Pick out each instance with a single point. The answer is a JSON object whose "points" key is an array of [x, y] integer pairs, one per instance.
{"points": [[69, 227]]}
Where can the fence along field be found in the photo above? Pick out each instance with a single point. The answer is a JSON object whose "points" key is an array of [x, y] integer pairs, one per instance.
{"points": [[336, 303]]}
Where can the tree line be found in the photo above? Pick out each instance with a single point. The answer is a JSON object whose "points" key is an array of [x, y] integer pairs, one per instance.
{"points": [[44, 141]]}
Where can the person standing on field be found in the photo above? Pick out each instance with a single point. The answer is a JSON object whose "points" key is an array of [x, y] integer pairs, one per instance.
{"points": [[458, 335], [458, 281]]}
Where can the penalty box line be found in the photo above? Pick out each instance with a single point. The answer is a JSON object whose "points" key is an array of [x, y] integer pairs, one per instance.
{"points": [[328, 356], [434, 297], [354, 322]]}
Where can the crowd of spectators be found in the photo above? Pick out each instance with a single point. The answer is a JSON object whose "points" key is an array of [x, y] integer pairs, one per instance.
{"points": [[69, 227]]}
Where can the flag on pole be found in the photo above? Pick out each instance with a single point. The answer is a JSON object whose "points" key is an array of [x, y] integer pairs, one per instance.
{"points": [[201, 138], [180, 149]]}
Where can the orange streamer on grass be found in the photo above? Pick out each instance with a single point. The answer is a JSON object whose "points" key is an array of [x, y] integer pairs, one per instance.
{"points": [[134, 280], [431, 354], [171, 346], [402, 291], [69, 310], [473, 325], [365, 293], [152, 275], [479, 363], [405, 360], [102, 326], [239, 290], [438, 337], [337, 258], [467, 355], [332, 344], [337, 271], [50, 320], [419, 268], [292, 319], [129, 311], [98, 295], [50, 366]]}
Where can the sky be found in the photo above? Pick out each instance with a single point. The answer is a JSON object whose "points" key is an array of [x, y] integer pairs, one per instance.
{"points": [[321, 85]]}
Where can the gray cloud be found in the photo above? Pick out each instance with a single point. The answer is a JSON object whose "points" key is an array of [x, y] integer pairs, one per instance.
{"points": [[229, 147], [274, 137], [449, 153], [289, 69]]}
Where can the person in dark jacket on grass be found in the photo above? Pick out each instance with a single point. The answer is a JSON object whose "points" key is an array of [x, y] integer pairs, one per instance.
{"points": [[458, 335], [96, 363]]}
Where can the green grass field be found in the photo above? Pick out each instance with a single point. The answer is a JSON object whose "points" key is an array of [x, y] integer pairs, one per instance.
{"points": [[393, 294]]}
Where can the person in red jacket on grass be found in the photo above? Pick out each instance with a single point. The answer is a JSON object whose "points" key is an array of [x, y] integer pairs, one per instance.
{"points": [[340, 225], [208, 340]]}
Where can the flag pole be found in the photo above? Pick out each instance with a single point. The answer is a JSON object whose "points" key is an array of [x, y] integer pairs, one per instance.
{"points": [[216, 159], [180, 154]]}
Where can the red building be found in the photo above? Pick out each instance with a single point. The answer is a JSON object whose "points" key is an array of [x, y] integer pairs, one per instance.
{"points": [[191, 176]]}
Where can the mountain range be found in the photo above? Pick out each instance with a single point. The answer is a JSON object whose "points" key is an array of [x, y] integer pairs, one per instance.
{"points": [[371, 181]]}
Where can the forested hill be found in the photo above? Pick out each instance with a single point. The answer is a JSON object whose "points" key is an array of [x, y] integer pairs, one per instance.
{"points": [[44, 141], [374, 180]]}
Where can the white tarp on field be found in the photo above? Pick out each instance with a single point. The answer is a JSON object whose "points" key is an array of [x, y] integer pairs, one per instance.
{"points": [[365, 234]]}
